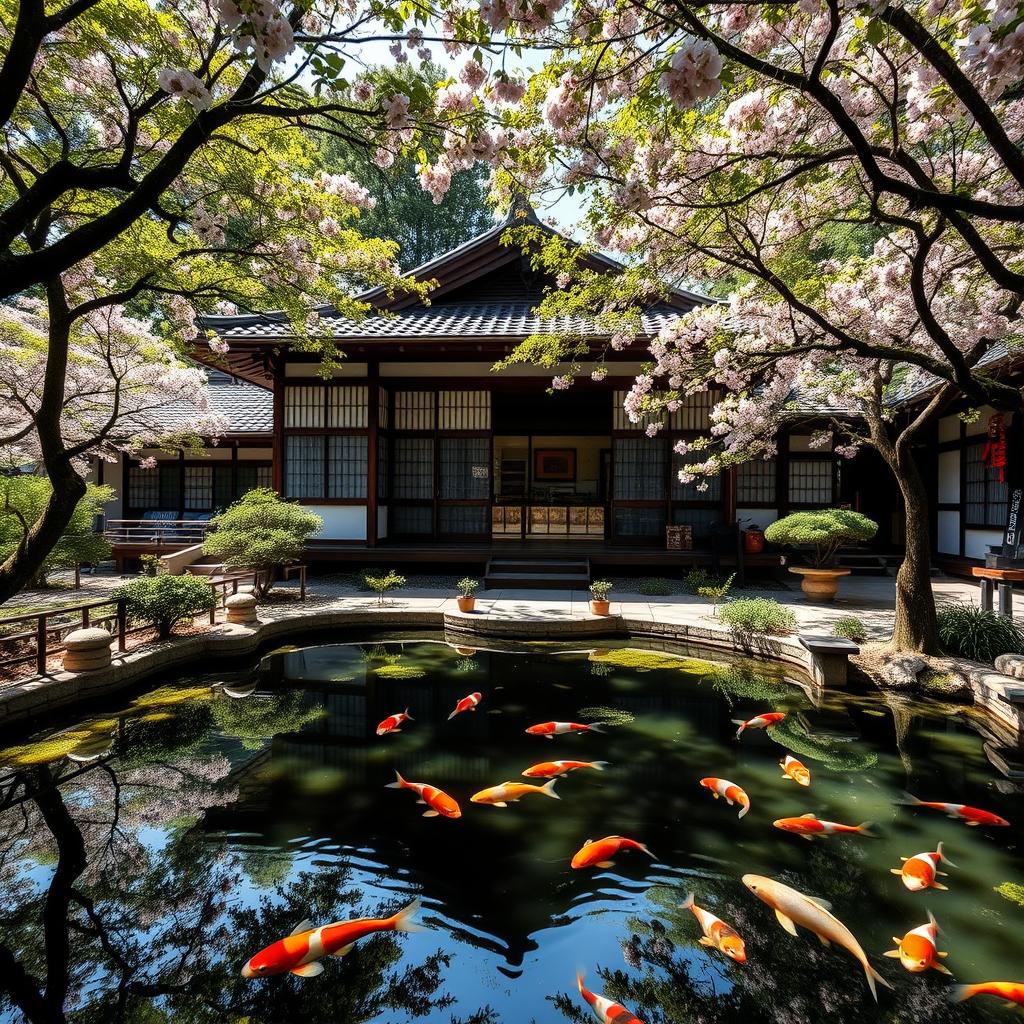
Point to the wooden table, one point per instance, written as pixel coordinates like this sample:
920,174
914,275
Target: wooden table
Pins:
1003,579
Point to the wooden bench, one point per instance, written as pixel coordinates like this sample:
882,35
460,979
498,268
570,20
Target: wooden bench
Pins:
1001,579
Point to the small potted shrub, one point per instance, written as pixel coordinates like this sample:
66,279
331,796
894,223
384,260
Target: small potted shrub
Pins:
467,587
825,531
599,591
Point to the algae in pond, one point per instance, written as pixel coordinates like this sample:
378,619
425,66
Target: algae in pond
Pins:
1012,892
847,758
608,716
399,672
650,661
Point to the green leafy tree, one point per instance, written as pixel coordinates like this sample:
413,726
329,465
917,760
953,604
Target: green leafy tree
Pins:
261,531
165,600
23,500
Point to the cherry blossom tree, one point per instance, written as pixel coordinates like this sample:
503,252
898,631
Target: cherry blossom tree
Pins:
737,143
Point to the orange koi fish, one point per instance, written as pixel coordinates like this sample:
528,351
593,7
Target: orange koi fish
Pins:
466,704
549,730
795,770
604,1009
758,722
920,871
437,801
732,793
598,853
301,951
918,949
392,722
552,769
810,826
510,792
1013,991
971,816
717,934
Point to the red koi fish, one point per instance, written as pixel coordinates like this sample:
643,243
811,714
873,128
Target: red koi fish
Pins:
1013,991
301,951
758,722
795,770
511,792
810,826
732,793
549,730
392,722
604,1009
552,769
466,704
598,853
717,934
437,801
920,871
971,816
918,949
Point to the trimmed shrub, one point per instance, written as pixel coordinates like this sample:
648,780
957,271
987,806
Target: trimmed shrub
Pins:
697,578
826,530
850,627
380,585
657,587
164,601
758,615
260,531
968,632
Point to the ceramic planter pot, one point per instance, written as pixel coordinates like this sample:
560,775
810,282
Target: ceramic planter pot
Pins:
599,607
819,584
753,541
466,604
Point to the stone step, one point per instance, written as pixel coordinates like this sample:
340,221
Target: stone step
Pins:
537,581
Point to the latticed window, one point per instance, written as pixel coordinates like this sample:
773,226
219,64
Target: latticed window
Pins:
414,467
414,410
347,408
223,488
639,522
383,463
463,519
755,482
701,520
810,481
304,465
639,469
143,487
464,410
694,413
304,405
252,476
984,496
413,519
691,491
346,467
199,488
464,467
170,486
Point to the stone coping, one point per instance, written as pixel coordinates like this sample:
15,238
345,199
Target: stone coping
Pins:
43,694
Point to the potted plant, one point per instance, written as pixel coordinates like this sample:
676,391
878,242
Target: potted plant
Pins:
466,588
824,531
599,591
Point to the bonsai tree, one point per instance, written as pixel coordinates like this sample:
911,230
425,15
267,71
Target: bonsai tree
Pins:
24,498
165,600
261,531
825,530
380,585
467,587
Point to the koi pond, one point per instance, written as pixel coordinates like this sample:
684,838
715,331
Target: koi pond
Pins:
154,852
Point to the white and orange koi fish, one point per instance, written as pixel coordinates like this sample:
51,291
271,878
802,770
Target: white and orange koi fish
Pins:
810,826
552,769
717,934
393,722
920,871
549,730
765,721
1012,991
795,770
604,1009
730,791
971,816
466,704
509,792
918,949
300,952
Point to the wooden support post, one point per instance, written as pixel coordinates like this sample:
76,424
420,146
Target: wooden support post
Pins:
41,644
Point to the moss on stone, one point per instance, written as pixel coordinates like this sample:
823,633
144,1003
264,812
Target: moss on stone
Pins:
170,695
651,661
86,740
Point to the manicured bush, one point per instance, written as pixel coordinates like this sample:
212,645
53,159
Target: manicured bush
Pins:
969,632
826,530
850,627
380,585
164,601
657,587
758,615
260,531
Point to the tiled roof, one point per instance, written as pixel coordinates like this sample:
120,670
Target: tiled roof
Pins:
249,409
456,320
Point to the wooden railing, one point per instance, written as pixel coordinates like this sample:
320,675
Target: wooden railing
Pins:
157,532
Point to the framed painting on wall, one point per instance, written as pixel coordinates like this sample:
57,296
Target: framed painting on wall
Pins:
554,464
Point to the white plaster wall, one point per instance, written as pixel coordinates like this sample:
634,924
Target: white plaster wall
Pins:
382,522
341,522
949,477
948,533
760,517
113,476
949,428
976,542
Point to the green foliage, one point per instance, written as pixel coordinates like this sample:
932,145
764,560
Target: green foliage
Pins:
1012,892
657,587
850,627
255,720
717,592
968,632
22,501
151,564
600,589
826,530
261,531
758,615
165,600
380,585
467,586
697,578
847,757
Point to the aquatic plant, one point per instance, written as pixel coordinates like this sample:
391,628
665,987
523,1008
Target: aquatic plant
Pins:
1011,891
844,757
467,665
758,615
638,660
969,632
399,672
851,627
163,601
610,716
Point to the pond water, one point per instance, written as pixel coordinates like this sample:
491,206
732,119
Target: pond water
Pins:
147,851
